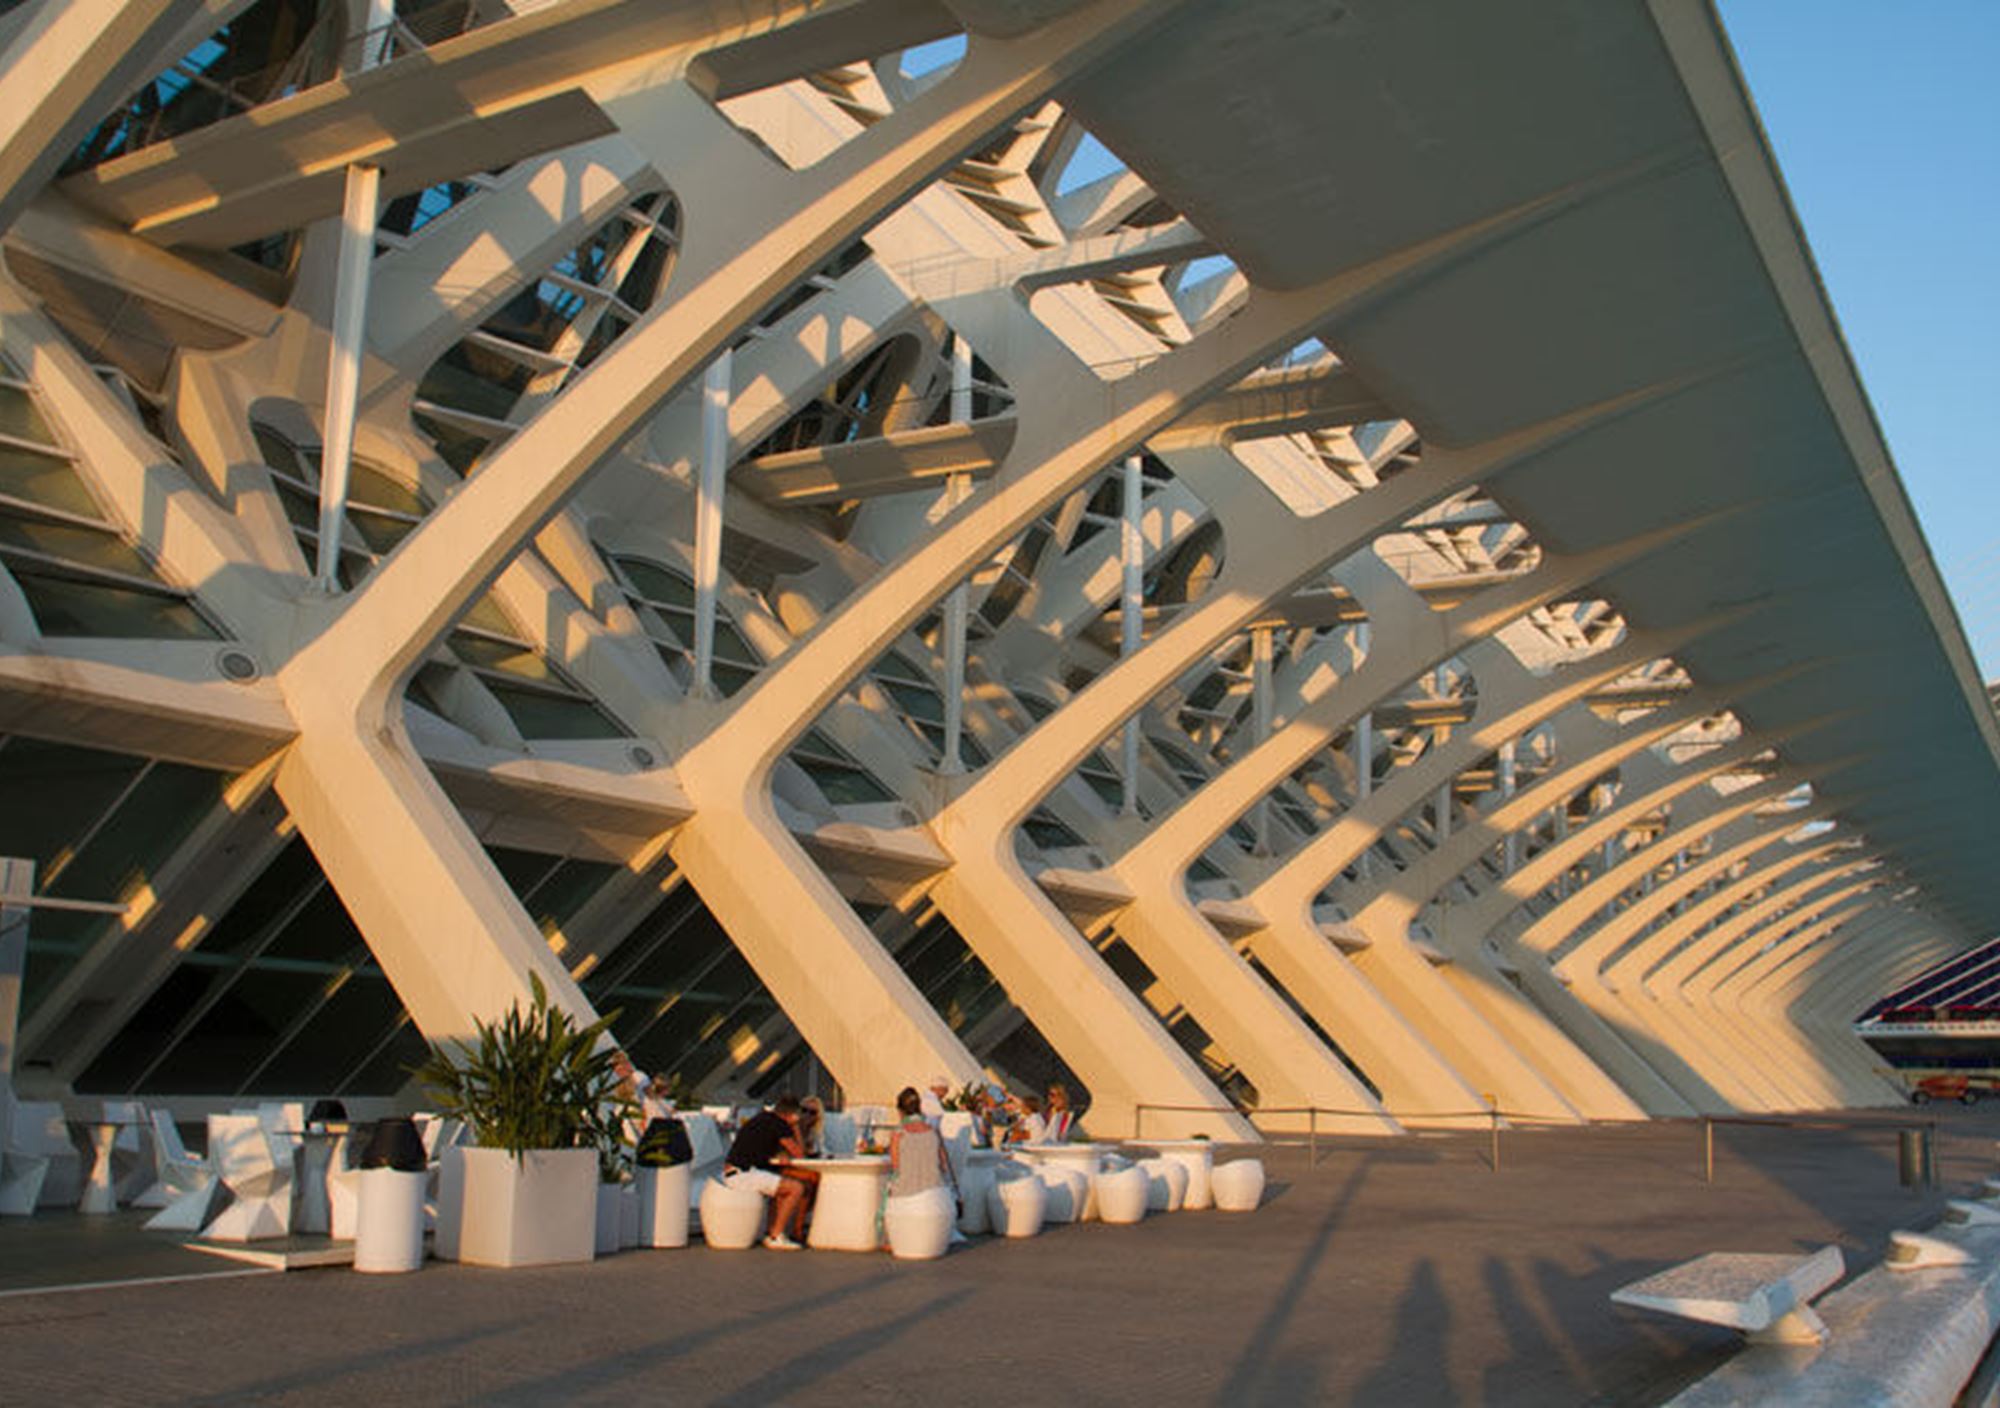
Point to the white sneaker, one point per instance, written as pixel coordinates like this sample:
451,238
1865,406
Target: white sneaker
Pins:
779,1242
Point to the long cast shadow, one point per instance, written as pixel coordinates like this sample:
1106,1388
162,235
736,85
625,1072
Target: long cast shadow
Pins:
1251,1369
1416,1371
573,1379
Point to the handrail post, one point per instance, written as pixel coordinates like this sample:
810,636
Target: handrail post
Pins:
1708,1149
1493,1116
1312,1136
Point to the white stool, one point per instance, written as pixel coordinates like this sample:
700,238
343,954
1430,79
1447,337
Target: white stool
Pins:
732,1219
919,1224
663,1206
610,1214
974,1184
1017,1202
1121,1195
1166,1184
389,1225
1238,1186
1069,1193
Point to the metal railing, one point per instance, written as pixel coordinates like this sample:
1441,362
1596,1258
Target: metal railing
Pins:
1492,1116
1916,1141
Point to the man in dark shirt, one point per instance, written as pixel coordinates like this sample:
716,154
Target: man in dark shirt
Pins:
758,1159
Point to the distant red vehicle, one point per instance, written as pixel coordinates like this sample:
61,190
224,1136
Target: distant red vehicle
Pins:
1961,1088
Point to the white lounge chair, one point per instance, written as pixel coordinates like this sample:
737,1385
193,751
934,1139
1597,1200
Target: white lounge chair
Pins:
133,1160
257,1171
175,1171
22,1169
40,1131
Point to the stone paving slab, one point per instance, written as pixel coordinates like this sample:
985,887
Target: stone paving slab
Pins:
1395,1272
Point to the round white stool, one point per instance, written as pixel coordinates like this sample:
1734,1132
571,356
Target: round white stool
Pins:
1069,1193
1121,1195
918,1225
389,1227
732,1219
1166,1185
1017,1203
1238,1186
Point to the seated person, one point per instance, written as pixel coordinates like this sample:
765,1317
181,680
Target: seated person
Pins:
1059,1115
1028,1127
917,1160
812,1121
759,1159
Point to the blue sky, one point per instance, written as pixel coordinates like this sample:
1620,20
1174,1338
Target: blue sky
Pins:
1886,122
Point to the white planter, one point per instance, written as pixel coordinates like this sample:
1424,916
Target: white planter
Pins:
663,1206
539,1209
609,1214
628,1215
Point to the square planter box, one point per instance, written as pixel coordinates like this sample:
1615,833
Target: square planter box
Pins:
496,1211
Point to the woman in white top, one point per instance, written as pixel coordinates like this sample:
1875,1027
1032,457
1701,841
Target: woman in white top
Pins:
1029,1127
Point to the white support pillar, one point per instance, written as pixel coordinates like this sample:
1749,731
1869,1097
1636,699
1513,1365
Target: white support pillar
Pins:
1509,781
1131,606
1364,770
957,602
343,362
709,489
17,886
1260,719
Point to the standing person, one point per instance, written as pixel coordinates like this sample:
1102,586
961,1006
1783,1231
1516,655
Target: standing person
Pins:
655,1101
758,1159
1059,1117
917,1161
932,1100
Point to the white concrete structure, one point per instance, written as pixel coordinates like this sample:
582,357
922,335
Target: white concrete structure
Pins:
882,537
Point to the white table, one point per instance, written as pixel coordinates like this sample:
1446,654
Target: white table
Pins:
100,1190
1086,1159
312,1207
847,1212
1197,1156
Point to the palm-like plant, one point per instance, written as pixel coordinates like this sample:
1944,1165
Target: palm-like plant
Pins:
533,1080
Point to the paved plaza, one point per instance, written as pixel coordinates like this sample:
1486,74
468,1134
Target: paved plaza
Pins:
1394,1272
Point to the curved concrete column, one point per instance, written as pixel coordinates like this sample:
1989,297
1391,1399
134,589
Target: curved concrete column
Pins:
1650,784
66,65
1825,1019
1590,746
1683,1003
1831,1076
1864,947
1171,935
447,931
1674,1000
1580,966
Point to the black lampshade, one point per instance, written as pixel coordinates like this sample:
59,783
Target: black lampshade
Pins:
326,1112
395,1144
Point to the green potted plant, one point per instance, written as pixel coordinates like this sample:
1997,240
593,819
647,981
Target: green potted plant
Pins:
540,1095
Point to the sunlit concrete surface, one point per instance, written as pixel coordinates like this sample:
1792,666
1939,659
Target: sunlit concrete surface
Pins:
1001,538
1404,1273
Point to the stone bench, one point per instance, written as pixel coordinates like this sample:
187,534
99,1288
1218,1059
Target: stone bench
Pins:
1765,1295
